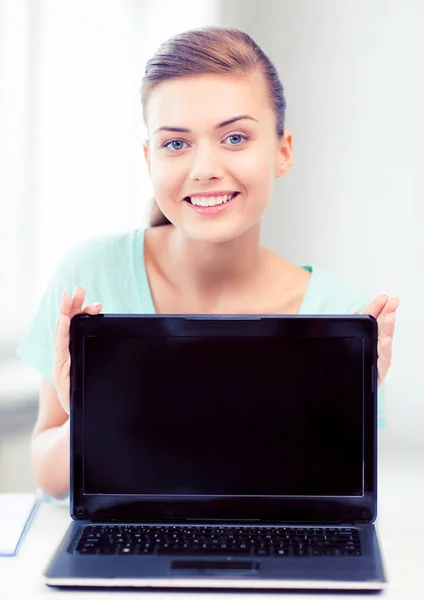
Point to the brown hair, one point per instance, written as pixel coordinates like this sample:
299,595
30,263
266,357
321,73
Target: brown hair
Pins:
204,51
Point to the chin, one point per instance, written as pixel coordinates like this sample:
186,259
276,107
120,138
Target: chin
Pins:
216,233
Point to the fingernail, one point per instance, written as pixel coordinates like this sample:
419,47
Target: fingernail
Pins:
95,305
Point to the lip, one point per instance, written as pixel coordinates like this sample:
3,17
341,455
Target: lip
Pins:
212,210
209,194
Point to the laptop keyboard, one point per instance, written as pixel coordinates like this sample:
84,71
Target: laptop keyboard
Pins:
192,539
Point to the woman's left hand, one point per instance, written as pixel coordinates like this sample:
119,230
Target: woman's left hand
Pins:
383,309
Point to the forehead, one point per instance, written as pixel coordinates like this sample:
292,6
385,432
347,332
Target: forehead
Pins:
203,101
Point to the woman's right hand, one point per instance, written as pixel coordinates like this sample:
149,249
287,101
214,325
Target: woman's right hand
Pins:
70,307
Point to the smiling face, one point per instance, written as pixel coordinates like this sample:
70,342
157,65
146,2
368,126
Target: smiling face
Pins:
210,137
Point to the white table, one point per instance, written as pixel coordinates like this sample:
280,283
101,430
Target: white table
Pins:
400,526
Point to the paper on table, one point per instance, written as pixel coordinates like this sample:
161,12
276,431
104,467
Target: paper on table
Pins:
16,512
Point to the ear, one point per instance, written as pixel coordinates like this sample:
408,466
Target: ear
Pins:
146,153
284,156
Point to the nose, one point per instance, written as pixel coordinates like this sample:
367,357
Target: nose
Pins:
205,165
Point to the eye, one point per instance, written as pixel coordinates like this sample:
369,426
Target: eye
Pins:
178,145
236,139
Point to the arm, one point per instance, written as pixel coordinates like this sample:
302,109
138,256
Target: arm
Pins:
50,443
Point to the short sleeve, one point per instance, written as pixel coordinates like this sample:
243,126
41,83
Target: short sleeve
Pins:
37,347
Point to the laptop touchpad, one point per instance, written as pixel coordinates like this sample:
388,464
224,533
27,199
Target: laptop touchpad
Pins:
214,567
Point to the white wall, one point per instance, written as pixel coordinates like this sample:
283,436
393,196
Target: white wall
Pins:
71,159
71,133
354,201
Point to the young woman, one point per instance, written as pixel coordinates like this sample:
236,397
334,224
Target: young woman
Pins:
214,109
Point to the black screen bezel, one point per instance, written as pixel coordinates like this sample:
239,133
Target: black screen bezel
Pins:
282,509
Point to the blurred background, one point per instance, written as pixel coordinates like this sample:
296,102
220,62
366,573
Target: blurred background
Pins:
71,162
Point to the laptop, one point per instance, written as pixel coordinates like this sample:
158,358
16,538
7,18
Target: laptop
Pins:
222,452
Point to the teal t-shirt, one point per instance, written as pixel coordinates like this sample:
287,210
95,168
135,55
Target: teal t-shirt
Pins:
111,269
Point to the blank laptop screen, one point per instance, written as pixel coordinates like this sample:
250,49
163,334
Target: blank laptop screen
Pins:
219,416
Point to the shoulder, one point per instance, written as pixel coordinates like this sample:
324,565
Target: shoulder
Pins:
106,265
95,248
330,294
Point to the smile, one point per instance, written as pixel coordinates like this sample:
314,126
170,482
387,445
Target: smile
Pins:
211,205
211,200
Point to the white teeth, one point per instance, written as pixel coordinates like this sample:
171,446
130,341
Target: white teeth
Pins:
211,200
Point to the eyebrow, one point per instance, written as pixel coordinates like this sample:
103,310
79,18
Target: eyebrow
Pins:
219,126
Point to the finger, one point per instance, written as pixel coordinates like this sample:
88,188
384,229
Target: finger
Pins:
389,308
92,309
392,305
64,309
61,354
384,358
66,304
385,343
77,300
375,307
387,328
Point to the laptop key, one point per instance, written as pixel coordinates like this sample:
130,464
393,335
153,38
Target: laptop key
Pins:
202,550
254,541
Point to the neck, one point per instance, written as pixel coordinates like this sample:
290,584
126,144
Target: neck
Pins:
216,271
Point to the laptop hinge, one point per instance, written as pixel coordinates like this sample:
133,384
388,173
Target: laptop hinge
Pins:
210,520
